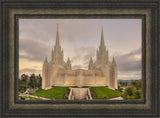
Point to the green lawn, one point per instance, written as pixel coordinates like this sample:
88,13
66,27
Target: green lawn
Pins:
54,93
105,92
58,92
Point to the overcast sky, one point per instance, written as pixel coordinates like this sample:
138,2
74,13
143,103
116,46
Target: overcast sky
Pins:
79,39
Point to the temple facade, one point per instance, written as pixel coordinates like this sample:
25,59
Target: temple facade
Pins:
57,72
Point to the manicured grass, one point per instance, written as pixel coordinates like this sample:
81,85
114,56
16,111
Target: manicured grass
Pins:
105,92
59,92
54,93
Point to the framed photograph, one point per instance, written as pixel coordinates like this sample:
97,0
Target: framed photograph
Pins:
81,77
79,58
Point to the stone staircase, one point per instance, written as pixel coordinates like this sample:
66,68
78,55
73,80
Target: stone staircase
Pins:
79,94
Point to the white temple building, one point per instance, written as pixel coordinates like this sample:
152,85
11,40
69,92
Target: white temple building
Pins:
57,72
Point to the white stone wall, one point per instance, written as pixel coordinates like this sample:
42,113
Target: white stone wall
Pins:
70,80
89,80
101,81
59,81
50,78
43,78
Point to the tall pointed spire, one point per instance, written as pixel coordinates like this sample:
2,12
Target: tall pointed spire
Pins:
102,56
113,61
68,64
91,65
102,38
57,56
91,60
68,60
57,36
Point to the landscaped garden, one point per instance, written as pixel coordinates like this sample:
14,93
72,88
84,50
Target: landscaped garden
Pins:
133,91
54,93
104,92
58,92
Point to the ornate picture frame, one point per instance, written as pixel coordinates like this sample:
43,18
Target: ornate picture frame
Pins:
12,10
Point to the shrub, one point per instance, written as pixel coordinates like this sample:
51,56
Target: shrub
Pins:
134,91
22,98
104,97
137,94
65,97
22,89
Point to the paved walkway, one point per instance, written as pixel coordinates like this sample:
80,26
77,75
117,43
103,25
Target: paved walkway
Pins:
28,95
116,98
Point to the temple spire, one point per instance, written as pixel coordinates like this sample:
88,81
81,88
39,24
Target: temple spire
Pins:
91,65
68,60
91,60
57,55
57,36
68,64
102,38
113,61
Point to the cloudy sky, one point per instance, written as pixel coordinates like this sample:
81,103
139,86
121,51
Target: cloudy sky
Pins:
80,38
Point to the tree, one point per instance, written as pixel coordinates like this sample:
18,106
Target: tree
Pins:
24,80
22,89
137,94
23,83
35,81
120,89
133,91
137,84
32,81
39,81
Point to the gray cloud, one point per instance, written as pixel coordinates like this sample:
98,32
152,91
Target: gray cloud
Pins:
86,63
75,58
90,52
129,75
41,29
130,66
34,50
83,53
126,62
76,66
